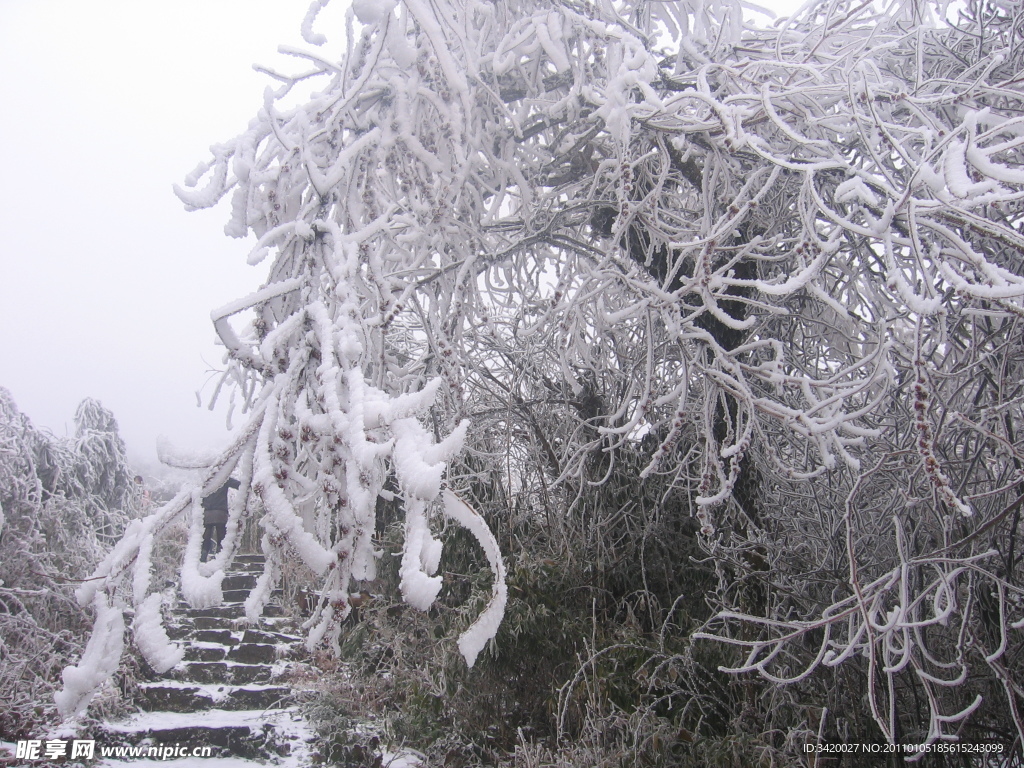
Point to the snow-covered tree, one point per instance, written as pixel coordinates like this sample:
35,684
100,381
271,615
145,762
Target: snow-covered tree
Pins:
784,259
101,474
62,502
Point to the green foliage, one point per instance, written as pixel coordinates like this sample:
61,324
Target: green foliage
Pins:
602,592
345,740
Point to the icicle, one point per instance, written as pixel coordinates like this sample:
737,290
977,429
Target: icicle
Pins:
151,637
481,631
99,661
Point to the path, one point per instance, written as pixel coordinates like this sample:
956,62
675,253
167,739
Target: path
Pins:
227,693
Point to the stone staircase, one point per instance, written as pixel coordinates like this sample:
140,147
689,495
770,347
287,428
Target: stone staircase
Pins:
227,693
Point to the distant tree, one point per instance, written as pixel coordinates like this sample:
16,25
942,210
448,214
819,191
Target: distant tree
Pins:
101,474
784,261
63,501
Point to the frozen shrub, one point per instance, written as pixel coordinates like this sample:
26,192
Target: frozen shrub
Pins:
62,500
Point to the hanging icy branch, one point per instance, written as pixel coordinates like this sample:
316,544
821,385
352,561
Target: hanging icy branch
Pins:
99,661
474,639
613,222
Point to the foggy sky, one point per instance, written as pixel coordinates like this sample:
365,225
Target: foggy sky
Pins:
106,283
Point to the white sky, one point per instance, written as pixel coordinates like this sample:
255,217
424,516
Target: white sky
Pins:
106,283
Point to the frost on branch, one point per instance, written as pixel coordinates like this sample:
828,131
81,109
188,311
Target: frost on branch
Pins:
63,500
99,661
312,461
485,627
784,261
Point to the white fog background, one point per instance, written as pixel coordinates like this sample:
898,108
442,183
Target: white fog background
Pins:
106,283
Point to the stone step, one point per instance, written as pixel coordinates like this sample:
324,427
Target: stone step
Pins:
205,653
244,581
215,623
249,734
217,612
235,610
222,672
255,653
240,595
250,558
259,697
179,631
221,636
233,605
169,696
223,623
266,636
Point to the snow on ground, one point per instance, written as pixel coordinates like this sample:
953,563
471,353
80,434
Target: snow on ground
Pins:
404,759
211,688
289,724
198,762
284,719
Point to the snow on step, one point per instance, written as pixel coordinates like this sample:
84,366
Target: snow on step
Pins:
247,734
187,696
229,672
239,581
264,636
222,695
255,653
194,762
154,722
210,637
